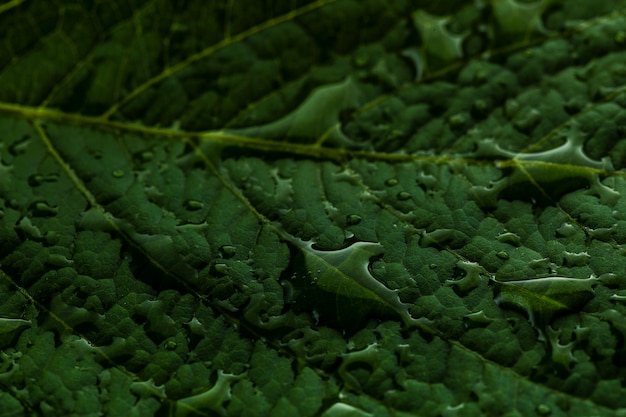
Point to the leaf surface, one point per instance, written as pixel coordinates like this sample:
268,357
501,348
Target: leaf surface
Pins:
312,208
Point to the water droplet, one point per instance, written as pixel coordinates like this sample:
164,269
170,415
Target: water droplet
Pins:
193,205
480,108
347,273
391,182
617,297
221,269
118,173
19,146
353,219
576,259
561,354
542,299
556,171
457,120
228,251
43,209
170,345
146,156
361,59
478,317
38,179
472,278
567,230
433,266
510,238
437,237
403,195
502,255
543,410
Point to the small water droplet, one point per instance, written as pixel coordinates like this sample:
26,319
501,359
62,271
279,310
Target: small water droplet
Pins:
193,205
544,410
170,345
433,266
20,146
38,179
43,209
617,297
480,108
391,182
360,60
502,255
510,238
567,230
221,269
403,195
118,173
353,219
146,156
228,251
457,120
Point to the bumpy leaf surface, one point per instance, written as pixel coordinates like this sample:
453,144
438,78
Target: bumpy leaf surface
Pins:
312,208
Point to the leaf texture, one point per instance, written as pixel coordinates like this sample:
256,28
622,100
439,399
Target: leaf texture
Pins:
312,208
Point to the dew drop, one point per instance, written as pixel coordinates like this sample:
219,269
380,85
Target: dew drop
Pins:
118,173
542,299
146,156
457,120
510,238
193,205
43,209
353,219
502,255
543,410
221,269
576,259
170,345
391,182
228,251
617,297
403,195
566,230
38,179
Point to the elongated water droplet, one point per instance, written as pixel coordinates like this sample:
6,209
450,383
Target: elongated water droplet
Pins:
118,173
193,205
38,179
353,219
403,195
391,182
544,410
542,299
502,255
228,251
43,209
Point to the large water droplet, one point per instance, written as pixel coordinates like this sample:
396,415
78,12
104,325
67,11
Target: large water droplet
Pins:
542,299
347,273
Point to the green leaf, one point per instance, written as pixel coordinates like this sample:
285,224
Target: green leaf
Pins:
312,208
